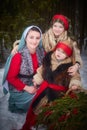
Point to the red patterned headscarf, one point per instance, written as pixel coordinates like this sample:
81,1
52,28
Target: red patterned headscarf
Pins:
63,19
64,47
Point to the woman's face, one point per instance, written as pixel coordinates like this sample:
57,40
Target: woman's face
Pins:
32,40
59,54
58,29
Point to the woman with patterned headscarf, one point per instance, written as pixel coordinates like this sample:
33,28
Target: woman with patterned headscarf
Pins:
21,67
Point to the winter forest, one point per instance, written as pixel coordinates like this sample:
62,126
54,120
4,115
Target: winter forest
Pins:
15,15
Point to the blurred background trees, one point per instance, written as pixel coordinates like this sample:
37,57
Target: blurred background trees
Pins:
15,15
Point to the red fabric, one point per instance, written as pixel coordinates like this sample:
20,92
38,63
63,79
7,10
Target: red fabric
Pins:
45,84
63,19
31,117
73,95
34,61
64,47
13,72
30,120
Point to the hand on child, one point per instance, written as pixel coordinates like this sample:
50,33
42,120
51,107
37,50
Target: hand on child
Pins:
73,69
14,50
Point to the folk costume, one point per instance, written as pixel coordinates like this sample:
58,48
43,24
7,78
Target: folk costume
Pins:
55,82
49,40
22,67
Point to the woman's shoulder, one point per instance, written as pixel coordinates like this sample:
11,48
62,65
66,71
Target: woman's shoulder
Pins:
16,59
17,55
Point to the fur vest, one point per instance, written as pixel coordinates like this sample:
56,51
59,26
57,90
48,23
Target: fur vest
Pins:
26,69
59,76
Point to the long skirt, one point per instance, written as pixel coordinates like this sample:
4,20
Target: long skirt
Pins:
19,102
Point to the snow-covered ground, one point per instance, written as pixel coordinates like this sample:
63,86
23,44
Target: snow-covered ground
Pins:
10,121
83,70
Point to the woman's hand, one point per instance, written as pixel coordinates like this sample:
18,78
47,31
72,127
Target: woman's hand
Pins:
73,69
30,89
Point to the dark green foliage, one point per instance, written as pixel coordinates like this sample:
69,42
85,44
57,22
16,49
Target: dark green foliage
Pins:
74,111
16,15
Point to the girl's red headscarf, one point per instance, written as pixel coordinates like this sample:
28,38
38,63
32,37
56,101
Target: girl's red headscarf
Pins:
63,19
64,47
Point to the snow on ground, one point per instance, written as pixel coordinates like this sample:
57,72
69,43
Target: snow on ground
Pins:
10,121
83,70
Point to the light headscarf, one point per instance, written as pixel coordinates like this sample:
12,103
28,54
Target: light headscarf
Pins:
21,45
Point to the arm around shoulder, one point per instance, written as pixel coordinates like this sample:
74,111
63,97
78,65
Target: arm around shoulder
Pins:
15,47
76,54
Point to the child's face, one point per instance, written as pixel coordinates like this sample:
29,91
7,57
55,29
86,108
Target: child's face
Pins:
33,39
60,54
58,29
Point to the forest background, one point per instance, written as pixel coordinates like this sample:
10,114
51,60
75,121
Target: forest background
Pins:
16,15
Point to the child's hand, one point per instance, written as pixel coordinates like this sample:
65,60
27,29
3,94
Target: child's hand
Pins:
74,87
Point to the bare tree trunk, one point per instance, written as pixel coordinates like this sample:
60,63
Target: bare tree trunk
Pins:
2,51
82,22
